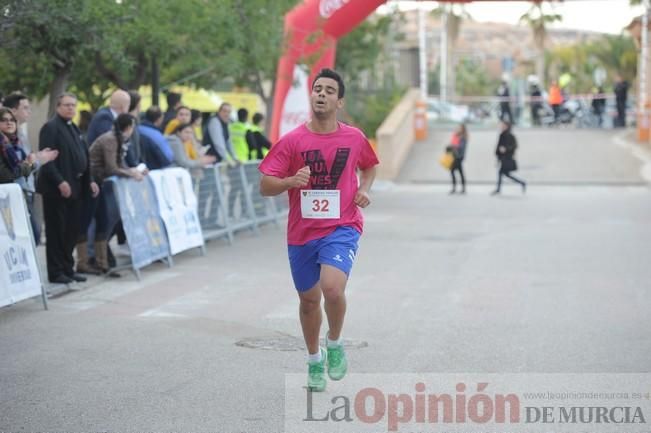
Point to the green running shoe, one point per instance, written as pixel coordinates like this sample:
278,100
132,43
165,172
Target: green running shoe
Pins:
337,363
316,373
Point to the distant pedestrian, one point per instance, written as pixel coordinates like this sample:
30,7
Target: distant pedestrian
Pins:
555,99
536,104
505,103
505,152
599,104
457,147
621,94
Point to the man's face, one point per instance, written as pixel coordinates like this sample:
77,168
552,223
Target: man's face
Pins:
67,107
23,111
324,98
184,115
225,113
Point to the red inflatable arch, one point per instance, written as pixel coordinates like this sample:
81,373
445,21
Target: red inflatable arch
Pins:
311,32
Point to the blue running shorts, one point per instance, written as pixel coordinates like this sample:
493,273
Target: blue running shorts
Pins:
338,249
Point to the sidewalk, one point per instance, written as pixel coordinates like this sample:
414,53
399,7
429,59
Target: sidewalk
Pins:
545,157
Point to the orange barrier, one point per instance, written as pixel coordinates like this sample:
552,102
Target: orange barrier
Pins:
644,123
420,121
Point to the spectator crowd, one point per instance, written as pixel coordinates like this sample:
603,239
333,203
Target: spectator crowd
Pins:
67,168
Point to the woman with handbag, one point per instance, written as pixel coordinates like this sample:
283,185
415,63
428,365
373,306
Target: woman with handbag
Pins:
505,152
457,148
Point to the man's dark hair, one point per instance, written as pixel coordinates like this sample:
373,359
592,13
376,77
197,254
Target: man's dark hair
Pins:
134,101
180,127
242,114
65,95
120,125
257,118
13,100
123,121
329,73
173,99
194,115
153,113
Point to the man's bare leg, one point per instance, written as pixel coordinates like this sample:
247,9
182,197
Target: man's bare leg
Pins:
333,282
310,315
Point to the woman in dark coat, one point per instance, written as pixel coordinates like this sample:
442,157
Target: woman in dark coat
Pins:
505,152
458,144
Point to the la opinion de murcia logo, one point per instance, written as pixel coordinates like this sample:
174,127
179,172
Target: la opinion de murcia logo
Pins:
329,7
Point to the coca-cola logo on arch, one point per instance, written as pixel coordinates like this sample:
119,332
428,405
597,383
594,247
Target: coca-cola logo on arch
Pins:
329,7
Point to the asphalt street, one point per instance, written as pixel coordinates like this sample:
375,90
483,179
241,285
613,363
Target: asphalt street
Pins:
554,281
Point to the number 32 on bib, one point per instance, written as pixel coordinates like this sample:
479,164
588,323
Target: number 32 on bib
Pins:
320,203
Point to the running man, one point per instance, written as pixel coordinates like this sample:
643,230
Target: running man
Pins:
317,163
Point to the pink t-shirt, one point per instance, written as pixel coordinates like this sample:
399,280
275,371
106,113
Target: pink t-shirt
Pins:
333,160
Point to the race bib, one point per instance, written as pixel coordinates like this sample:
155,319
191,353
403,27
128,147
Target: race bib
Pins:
320,203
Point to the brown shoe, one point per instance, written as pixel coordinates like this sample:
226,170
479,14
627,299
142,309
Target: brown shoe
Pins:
87,268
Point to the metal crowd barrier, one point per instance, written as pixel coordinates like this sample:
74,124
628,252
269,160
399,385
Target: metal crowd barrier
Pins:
211,207
229,200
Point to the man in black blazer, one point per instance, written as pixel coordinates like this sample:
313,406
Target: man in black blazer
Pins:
63,183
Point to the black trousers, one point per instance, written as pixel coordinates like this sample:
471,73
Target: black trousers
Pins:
620,121
62,221
510,176
456,166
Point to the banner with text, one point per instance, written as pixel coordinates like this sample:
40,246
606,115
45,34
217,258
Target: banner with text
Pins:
141,221
177,205
19,275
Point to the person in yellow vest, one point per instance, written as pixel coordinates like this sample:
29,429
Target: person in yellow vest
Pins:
259,145
238,132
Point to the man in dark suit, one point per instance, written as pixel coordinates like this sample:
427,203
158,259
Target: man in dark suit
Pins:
63,183
103,120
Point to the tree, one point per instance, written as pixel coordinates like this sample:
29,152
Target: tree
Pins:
245,56
359,50
54,35
617,54
473,78
358,55
454,16
538,21
94,46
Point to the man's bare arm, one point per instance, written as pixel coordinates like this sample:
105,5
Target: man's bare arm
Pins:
271,185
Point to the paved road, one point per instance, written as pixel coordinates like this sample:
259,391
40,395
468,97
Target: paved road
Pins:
554,281
545,157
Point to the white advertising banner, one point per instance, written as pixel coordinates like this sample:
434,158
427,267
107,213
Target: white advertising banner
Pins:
177,205
19,275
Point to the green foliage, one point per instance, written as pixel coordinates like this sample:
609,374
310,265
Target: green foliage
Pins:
359,50
93,46
472,78
367,110
615,53
371,91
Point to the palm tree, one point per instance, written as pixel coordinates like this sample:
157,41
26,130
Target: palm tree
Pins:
456,13
538,21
